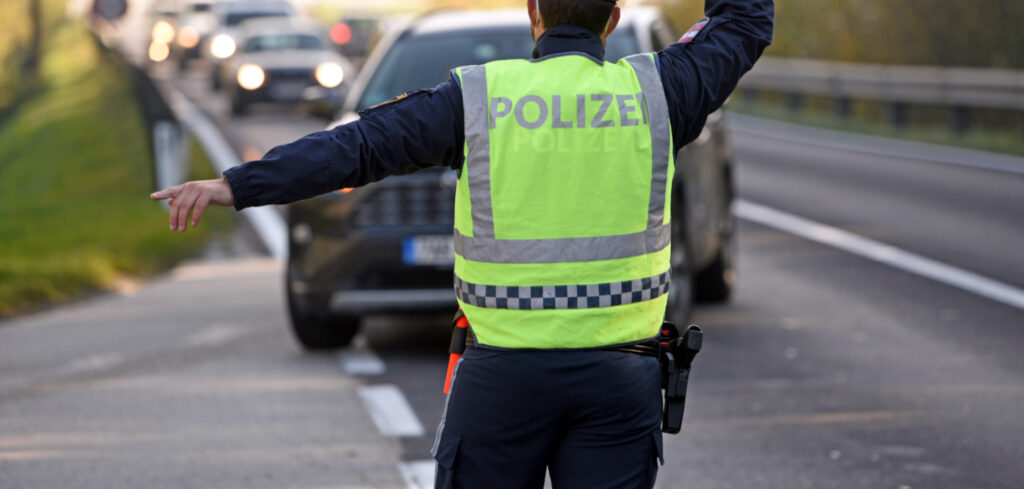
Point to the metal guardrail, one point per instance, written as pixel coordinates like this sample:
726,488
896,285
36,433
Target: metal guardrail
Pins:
960,89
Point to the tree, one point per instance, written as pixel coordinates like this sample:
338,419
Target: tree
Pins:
35,45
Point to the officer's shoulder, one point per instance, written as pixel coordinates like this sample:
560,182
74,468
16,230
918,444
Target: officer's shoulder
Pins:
389,102
392,103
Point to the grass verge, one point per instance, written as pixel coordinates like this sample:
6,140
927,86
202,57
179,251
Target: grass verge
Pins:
75,174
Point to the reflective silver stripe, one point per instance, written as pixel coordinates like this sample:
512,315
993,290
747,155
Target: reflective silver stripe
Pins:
580,296
661,132
444,413
478,142
562,250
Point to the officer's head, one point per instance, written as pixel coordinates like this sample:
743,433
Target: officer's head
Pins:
599,16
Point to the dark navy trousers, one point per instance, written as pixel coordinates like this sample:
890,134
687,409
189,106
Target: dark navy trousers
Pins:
591,418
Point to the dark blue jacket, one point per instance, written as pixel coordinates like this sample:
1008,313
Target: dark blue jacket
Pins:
426,128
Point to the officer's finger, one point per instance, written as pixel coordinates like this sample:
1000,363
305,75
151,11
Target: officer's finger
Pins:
167,193
201,204
172,217
176,208
188,200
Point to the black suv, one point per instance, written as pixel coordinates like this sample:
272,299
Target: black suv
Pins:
387,247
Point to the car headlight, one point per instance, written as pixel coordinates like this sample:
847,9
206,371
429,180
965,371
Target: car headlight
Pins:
329,74
163,32
158,51
188,37
222,46
251,77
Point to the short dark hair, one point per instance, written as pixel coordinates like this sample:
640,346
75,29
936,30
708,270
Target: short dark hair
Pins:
591,14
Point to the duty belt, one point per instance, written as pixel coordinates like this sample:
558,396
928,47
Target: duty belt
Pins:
674,352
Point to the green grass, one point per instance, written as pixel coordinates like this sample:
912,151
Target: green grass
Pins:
929,126
75,174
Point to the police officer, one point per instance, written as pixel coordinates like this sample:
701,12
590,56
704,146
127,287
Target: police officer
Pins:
561,231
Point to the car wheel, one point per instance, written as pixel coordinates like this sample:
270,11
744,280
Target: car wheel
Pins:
314,326
680,295
715,283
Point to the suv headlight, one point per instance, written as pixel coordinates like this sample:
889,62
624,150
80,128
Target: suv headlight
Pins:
251,77
162,32
329,74
222,46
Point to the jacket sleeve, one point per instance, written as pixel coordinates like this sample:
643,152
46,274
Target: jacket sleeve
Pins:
702,69
421,129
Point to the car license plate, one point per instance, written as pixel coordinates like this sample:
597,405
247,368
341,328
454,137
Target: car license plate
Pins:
428,250
287,90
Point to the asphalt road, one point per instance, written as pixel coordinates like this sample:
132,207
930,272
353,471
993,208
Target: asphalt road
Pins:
827,370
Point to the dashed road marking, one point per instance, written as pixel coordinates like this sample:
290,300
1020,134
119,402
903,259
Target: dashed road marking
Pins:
93,363
361,363
215,335
881,252
418,474
390,410
360,360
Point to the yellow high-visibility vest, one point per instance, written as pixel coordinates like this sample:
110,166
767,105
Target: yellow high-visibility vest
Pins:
562,232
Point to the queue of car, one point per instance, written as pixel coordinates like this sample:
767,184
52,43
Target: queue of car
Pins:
255,51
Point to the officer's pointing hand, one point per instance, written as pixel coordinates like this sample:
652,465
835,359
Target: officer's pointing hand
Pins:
193,197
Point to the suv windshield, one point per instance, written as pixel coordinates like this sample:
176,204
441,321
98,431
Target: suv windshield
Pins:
424,61
282,42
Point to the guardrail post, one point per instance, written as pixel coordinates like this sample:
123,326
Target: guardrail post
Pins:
749,95
843,107
898,112
794,101
961,119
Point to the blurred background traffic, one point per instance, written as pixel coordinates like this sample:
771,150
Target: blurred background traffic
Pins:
848,230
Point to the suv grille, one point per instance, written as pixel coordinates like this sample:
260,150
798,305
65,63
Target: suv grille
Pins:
408,203
282,74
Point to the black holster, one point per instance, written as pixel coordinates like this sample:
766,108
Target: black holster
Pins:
676,353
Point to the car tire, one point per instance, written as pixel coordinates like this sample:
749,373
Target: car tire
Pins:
680,295
315,328
715,283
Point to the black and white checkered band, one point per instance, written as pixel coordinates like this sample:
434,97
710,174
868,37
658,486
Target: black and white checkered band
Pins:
563,296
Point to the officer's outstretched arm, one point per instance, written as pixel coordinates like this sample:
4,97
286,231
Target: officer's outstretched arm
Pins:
420,129
192,198
702,69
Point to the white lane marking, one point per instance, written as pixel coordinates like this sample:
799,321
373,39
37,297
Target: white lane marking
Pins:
361,362
418,474
390,411
215,335
93,363
881,252
875,145
269,225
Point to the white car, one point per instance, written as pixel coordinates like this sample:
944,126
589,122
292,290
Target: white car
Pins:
284,60
229,15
